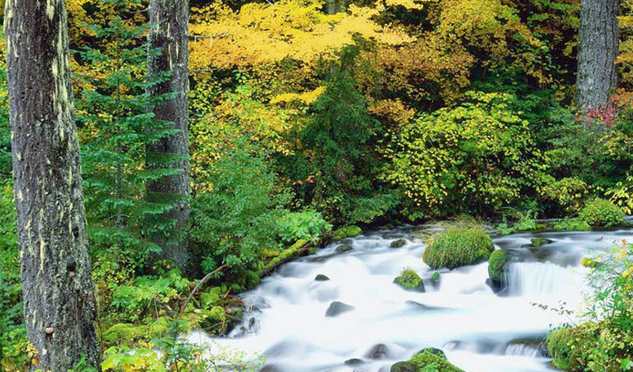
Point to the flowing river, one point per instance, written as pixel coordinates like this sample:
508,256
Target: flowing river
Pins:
478,329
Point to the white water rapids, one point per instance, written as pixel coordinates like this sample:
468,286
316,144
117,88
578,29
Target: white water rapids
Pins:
480,331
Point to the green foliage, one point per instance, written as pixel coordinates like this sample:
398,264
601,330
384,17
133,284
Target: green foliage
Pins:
525,221
601,213
462,243
570,346
336,154
240,216
116,128
308,225
568,194
409,279
496,265
605,341
476,157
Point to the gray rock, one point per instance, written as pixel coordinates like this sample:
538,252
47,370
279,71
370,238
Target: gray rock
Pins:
337,308
344,248
354,362
321,278
378,352
398,243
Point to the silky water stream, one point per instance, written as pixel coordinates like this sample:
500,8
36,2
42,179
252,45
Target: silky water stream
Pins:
478,329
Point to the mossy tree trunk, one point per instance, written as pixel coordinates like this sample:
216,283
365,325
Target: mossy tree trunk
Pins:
597,53
58,292
169,35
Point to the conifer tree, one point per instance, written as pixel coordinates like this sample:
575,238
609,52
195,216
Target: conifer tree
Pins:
117,129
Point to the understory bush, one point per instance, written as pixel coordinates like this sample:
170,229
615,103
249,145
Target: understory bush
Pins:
308,225
602,213
462,243
604,342
475,158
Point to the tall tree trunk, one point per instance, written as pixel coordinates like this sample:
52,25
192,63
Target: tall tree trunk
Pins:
598,49
169,35
58,292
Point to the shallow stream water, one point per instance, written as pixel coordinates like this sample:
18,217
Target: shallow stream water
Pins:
478,329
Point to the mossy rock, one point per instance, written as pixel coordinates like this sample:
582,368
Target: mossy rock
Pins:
435,351
569,346
571,225
497,266
458,246
435,277
347,232
404,367
398,243
321,278
602,213
428,360
539,242
344,248
410,280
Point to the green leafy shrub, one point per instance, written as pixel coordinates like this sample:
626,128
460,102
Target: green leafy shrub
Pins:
462,243
567,193
308,225
602,213
476,157
234,222
409,279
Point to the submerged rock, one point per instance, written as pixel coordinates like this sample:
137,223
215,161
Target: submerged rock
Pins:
398,243
269,369
344,248
354,362
378,352
337,308
498,266
321,278
539,242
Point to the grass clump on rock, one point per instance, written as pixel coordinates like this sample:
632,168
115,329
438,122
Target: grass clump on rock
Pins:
409,279
463,242
497,265
428,360
347,232
602,213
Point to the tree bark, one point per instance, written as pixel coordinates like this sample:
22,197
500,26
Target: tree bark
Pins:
169,34
58,292
598,48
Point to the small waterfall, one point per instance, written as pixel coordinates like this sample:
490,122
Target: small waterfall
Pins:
538,278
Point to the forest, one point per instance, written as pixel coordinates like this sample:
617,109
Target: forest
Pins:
316,185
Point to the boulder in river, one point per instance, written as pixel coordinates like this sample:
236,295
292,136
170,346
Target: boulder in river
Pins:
321,278
347,232
344,248
410,280
398,243
433,350
539,242
354,362
378,352
461,244
429,358
337,308
404,367
498,268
